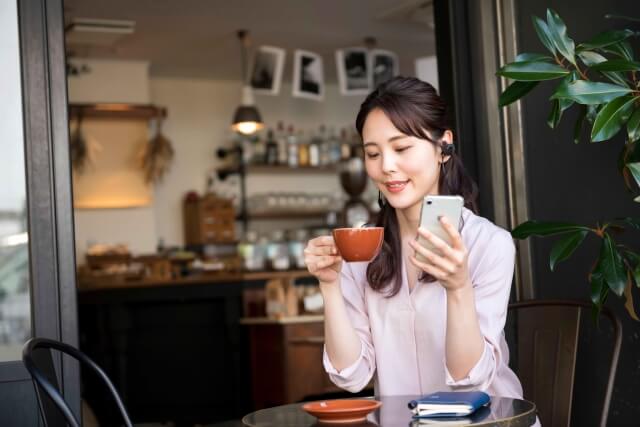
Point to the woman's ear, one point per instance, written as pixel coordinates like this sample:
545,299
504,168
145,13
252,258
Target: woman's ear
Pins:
446,140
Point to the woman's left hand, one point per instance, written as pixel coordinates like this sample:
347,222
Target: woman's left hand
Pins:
450,266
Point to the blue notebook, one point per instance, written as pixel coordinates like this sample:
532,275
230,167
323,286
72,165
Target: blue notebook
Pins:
449,403
481,414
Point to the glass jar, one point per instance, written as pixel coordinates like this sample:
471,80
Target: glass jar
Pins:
252,251
297,241
278,252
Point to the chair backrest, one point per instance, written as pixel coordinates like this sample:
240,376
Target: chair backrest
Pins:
36,356
547,340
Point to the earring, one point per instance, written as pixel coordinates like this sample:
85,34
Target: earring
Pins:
381,200
448,149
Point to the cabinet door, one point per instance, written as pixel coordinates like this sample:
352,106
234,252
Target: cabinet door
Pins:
305,373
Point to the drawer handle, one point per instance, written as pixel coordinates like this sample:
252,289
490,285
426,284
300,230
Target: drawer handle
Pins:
307,340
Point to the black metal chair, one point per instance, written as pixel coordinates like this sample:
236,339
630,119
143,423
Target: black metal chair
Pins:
37,358
546,344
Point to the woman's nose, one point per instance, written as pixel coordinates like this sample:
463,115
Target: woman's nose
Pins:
388,163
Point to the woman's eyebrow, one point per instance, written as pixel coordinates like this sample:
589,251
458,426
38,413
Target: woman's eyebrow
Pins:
397,137
393,138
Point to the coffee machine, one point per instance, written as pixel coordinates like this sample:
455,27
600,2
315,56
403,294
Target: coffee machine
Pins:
353,178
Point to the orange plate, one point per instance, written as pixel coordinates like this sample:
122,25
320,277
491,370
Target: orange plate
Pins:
342,410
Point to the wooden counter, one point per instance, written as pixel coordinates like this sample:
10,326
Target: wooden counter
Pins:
175,349
305,318
95,284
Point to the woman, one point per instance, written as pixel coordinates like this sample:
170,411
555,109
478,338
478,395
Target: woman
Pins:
420,327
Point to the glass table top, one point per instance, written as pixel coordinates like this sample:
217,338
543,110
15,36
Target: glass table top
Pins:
394,412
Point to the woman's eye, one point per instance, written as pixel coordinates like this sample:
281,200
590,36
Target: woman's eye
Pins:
401,149
372,155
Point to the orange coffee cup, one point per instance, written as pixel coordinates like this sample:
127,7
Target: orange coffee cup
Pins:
358,244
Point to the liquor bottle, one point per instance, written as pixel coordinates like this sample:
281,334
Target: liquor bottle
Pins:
315,145
292,148
303,150
323,147
334,147
281,138
345,146
271,157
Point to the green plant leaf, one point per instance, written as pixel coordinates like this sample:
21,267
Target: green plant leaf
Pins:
596,279
590,58
634,168
515,91
538,228
564,247
613,269
558,33
606,38
635,223
587,92
635,265
629,154
554,115
560,105
628,298
622,49
527,57
633,126
592,112
611,118
543,34
577,128
532,71
616,78
624,17
617,65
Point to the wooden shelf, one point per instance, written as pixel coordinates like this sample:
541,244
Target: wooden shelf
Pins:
287,215
266,169
278,170
118,111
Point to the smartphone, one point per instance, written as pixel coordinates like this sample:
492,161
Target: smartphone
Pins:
433,207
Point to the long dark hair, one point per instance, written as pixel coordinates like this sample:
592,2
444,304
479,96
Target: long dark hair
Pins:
414,108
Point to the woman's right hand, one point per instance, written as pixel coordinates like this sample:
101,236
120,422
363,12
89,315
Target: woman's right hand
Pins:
322,259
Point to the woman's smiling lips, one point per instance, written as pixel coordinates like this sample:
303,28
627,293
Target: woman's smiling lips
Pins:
396,186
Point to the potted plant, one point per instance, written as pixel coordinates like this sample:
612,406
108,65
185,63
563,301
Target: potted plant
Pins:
601,78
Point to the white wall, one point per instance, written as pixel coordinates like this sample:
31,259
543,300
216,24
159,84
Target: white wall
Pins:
110,81
113,81
198,122
199,119
427,70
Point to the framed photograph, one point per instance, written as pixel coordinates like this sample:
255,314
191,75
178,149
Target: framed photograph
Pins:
308,75
384,65
266,73
353,68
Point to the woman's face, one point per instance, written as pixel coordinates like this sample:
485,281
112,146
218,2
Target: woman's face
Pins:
404,168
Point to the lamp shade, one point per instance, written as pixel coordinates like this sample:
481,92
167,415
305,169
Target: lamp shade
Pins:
246,119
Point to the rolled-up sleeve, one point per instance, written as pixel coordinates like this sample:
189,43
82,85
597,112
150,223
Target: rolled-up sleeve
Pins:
491,279
355,377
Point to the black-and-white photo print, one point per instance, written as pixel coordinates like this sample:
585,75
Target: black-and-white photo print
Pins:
353,71
267,70
384,65
308,75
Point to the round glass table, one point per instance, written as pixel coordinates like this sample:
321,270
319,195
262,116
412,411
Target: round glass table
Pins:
394,412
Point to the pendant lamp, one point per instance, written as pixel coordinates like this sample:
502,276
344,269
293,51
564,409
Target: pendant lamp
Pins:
246,119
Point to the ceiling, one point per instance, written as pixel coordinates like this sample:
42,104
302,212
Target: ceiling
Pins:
197,38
